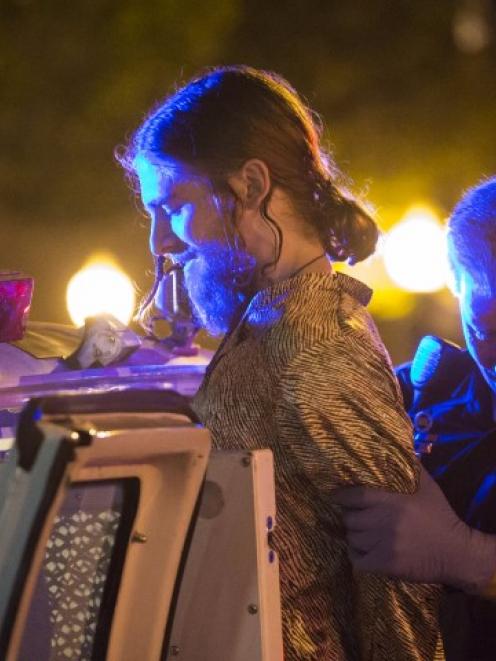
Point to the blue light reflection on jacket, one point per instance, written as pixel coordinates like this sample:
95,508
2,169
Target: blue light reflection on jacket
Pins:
453,416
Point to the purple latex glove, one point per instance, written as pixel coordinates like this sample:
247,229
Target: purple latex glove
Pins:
416,537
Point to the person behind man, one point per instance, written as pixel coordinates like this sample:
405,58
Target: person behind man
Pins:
447,533
241,193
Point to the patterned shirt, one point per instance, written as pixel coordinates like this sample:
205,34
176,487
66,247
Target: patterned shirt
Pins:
305,374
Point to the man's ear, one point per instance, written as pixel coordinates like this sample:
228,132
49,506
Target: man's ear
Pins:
251,183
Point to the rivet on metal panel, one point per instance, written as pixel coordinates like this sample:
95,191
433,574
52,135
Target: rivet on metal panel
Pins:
253,609
272,556
174,650
246,461
139,537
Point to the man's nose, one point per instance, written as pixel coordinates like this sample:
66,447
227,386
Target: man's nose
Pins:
163,241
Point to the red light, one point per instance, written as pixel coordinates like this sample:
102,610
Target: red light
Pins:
16,291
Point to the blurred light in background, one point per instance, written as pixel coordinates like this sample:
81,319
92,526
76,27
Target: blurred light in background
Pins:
472,31
98,287
414,252
388,301
391,303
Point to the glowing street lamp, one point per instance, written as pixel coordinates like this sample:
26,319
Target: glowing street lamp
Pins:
415,252
97,288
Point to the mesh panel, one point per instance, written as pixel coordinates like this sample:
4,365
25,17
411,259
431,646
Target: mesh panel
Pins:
65,609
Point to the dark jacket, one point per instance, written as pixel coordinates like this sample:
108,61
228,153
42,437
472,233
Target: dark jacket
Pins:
451,407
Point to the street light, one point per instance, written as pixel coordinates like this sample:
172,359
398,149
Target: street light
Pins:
100,287
415,252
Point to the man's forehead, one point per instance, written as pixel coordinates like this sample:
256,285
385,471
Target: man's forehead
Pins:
156,180
478,282
478,297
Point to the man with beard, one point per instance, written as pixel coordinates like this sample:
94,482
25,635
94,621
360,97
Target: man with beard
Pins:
240,193
446,533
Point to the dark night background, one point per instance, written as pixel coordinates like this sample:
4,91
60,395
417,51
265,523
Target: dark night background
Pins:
407,90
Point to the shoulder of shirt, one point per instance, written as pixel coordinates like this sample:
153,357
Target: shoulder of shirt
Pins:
312,312
320,307
340,356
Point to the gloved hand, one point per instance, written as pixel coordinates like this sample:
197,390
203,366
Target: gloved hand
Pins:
415,537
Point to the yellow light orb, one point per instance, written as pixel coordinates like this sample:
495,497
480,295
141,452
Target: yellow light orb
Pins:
415,252
100,287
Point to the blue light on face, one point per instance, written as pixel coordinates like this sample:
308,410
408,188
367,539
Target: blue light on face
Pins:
150,179
478,314
159,184
179,220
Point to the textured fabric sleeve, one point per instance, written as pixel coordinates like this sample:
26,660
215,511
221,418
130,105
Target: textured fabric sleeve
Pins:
342,420
340,400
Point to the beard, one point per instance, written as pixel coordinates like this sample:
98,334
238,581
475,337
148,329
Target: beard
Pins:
219,281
